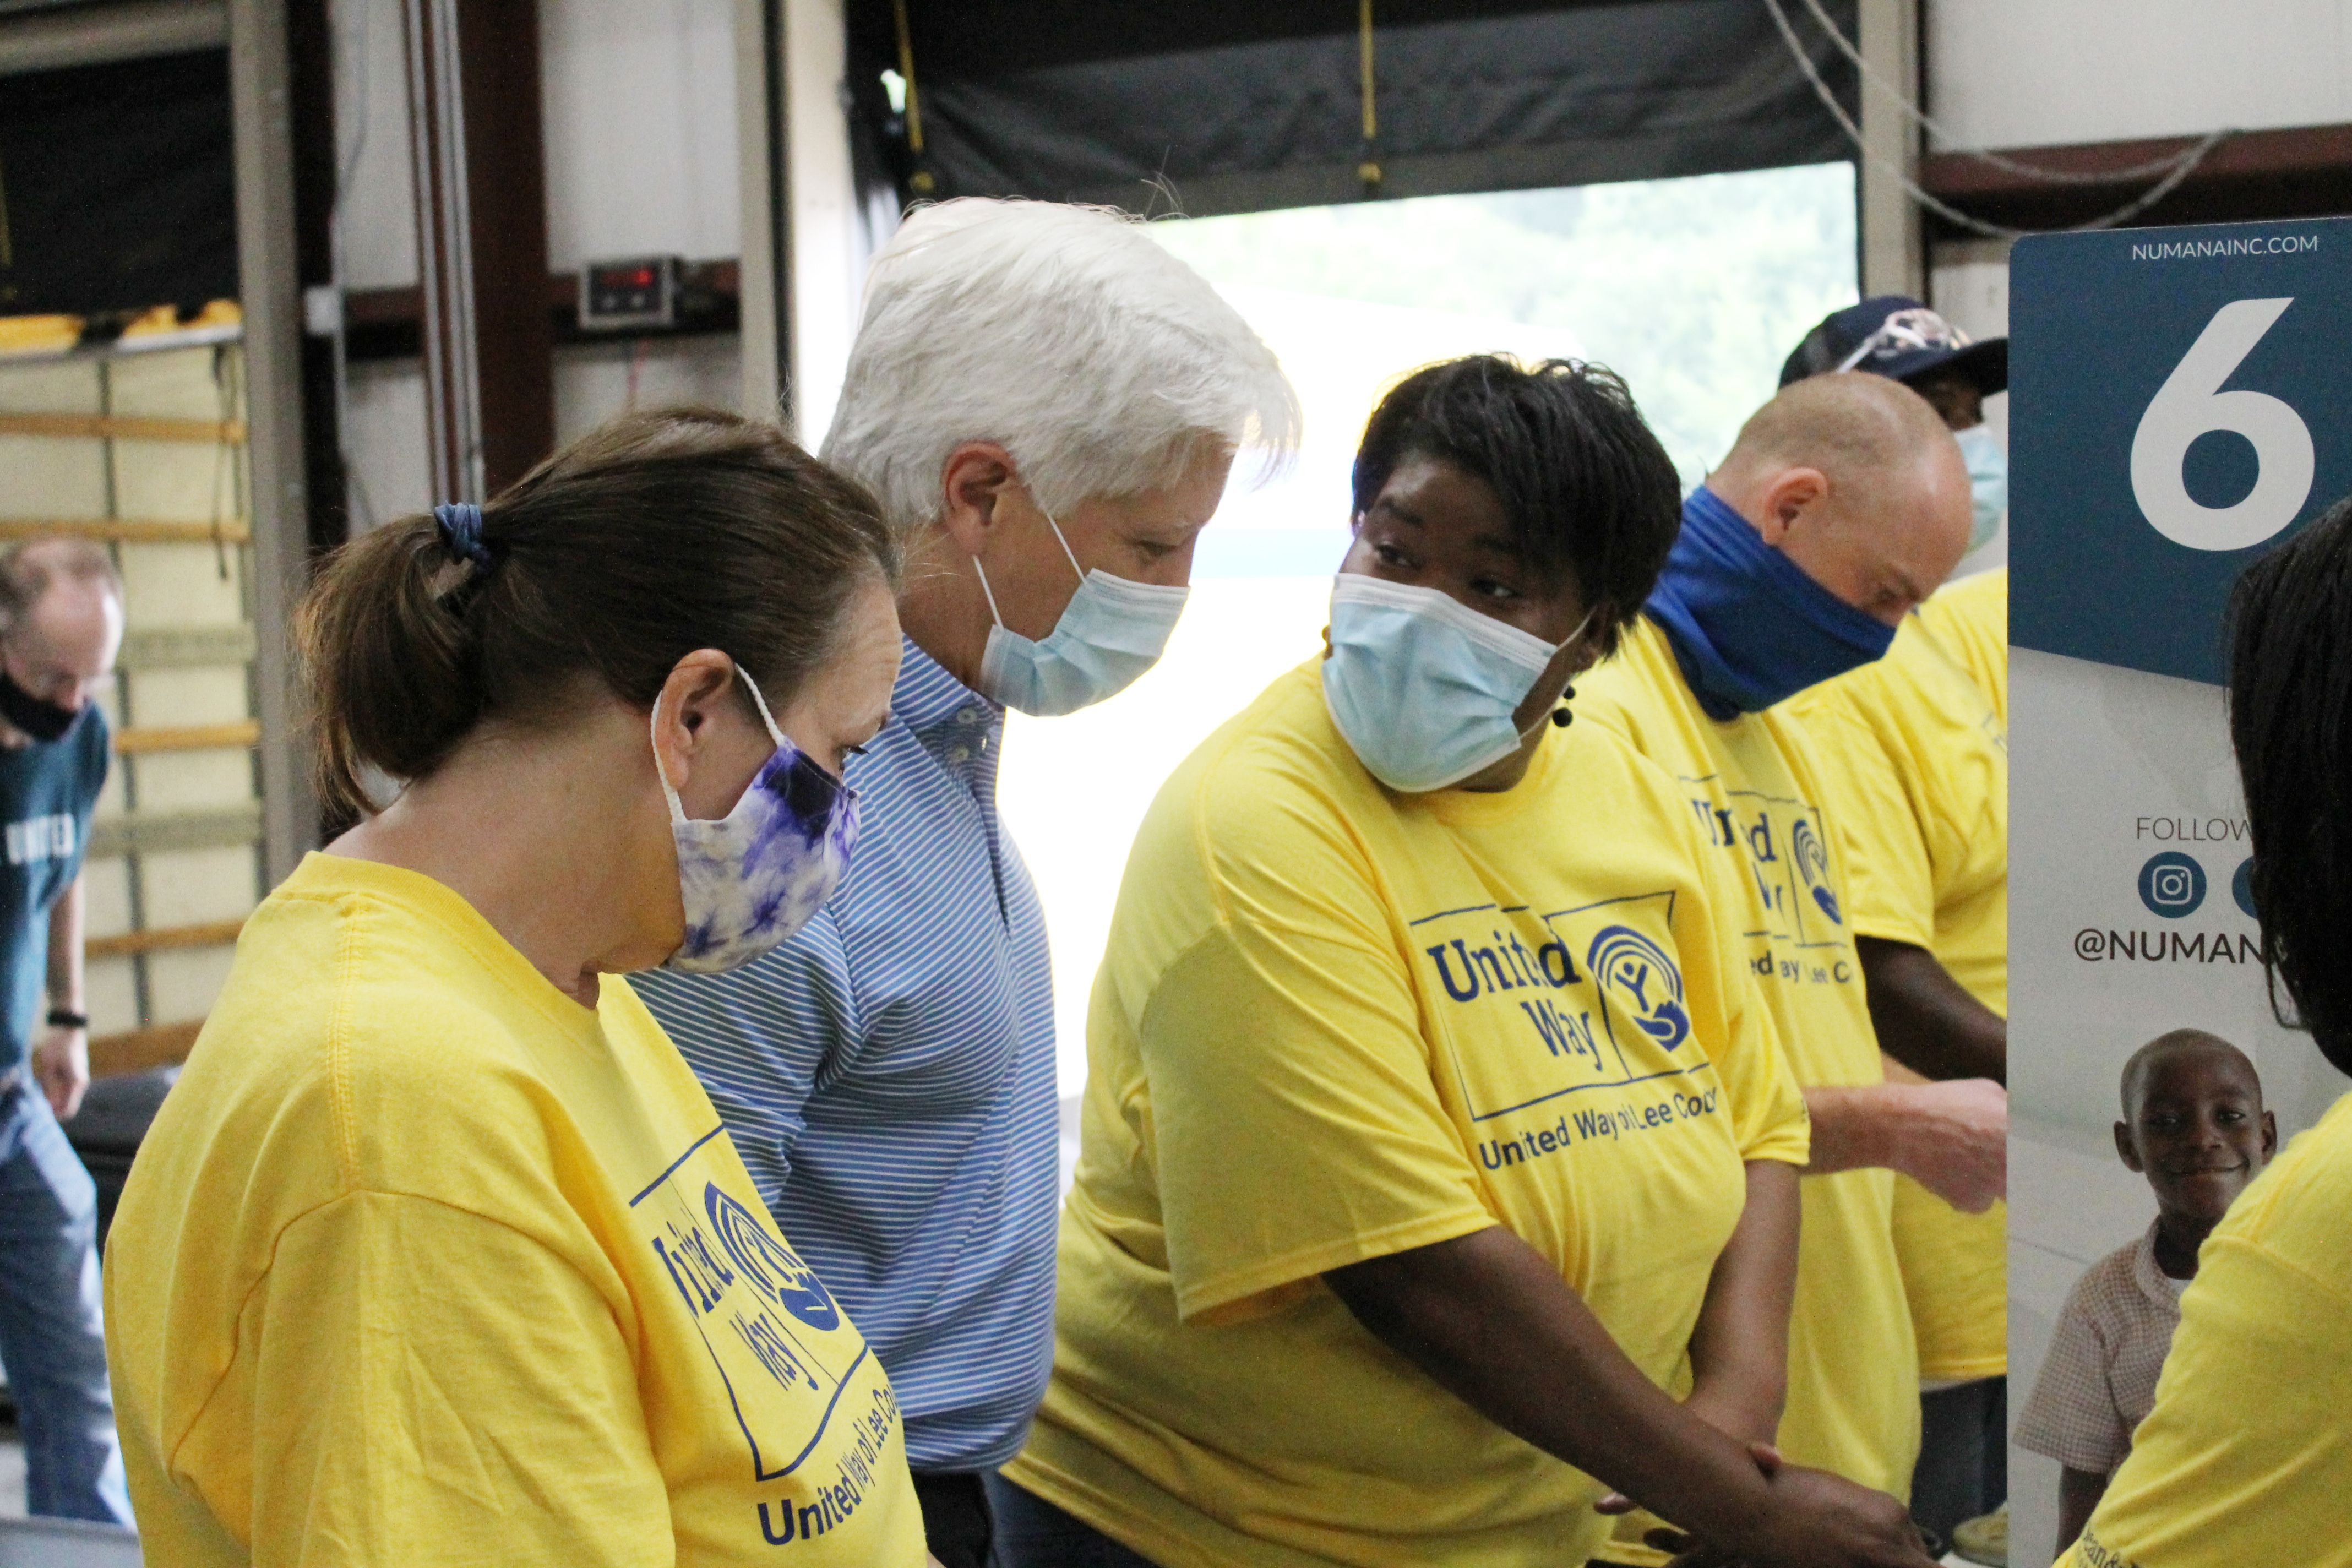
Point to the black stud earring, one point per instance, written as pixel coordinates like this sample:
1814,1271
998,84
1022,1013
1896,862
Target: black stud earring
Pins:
1562,718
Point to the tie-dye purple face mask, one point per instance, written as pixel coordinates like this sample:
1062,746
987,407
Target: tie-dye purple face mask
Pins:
752,877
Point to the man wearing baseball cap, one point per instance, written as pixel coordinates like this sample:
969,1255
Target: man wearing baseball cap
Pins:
1897,337
1914,754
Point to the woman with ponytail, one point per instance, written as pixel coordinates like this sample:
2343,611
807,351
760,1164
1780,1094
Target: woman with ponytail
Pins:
436,1253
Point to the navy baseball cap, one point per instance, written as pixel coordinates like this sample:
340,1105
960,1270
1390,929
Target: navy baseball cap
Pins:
1895,336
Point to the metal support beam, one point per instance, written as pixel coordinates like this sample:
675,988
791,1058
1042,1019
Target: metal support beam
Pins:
261,109
1892,258
825,275
765,193
481,241
311,81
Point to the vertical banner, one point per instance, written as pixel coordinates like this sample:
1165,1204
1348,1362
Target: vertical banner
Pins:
2177,404
2176,408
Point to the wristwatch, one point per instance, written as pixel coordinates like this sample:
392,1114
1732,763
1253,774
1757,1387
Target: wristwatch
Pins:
61,1018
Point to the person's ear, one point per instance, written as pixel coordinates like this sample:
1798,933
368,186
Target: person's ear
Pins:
2126,1149
2270,1136
683,712
1791,493
973,484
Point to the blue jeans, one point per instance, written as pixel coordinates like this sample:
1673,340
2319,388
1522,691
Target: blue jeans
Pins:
52,1341
1032,1533
1963,1468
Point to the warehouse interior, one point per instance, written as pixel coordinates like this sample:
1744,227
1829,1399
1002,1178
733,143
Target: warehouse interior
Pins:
274,271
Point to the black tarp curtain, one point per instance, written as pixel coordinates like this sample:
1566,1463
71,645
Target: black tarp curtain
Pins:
118,187
1217,106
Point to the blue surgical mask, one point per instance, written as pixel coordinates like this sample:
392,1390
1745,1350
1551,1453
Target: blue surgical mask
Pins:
753,877
1423,687
1110,632
1988,463
1748,626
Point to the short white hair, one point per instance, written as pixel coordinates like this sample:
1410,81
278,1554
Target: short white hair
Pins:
1063,333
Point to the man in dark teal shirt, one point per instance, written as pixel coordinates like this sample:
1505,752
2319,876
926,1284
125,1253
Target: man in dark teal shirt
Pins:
60,626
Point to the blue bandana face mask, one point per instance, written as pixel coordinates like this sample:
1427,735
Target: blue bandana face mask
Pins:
752,877
1987,481
1748,626
1110,632
1421,687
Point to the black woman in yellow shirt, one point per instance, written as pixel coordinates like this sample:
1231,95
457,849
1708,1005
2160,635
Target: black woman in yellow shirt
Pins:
1438,1165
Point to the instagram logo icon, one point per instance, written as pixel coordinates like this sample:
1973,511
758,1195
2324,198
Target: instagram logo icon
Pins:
2172,885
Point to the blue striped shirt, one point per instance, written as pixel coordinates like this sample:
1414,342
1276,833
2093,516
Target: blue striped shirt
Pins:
888,1077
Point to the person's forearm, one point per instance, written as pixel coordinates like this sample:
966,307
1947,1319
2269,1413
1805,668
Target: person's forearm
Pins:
1740,1348
2079,1492
1856,1128
65,976
1488,1318
1924,1019
1951,1138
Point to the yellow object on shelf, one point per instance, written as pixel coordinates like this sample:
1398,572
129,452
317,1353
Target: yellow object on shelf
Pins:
38,334
165,319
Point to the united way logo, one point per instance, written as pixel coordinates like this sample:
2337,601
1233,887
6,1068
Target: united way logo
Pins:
775,1269
1813,865
1642,980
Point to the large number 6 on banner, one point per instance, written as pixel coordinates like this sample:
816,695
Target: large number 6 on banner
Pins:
2190,402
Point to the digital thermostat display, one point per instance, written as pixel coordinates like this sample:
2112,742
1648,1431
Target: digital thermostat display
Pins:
638,292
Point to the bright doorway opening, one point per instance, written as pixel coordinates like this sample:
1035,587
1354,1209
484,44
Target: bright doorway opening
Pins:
1693,289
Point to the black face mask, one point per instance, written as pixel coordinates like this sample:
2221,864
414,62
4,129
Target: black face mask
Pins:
37,717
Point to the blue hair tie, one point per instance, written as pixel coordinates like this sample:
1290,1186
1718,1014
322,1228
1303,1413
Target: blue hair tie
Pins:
461,531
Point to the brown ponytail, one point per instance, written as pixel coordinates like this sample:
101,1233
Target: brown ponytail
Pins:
648,538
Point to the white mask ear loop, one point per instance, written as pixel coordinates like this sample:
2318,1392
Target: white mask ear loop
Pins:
1062,539
677,808
1058,539
1545,719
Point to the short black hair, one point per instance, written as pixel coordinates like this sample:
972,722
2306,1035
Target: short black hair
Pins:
1590,495
2291,726
2177,1043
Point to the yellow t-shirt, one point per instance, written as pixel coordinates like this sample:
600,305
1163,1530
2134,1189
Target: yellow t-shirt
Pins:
1753,789
1915,760
1970,618
2247,1457
424,1262
1334,1024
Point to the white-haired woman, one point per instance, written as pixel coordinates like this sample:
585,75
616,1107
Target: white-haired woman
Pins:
1046,404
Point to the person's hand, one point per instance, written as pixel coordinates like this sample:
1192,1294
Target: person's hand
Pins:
1954,1142
62,1067
1817,1520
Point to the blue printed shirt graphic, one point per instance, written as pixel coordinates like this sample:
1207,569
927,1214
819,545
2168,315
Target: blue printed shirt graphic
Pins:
47,790
888,1076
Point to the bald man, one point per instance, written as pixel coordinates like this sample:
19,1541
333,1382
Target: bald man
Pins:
60,626
1917,747
1844,504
